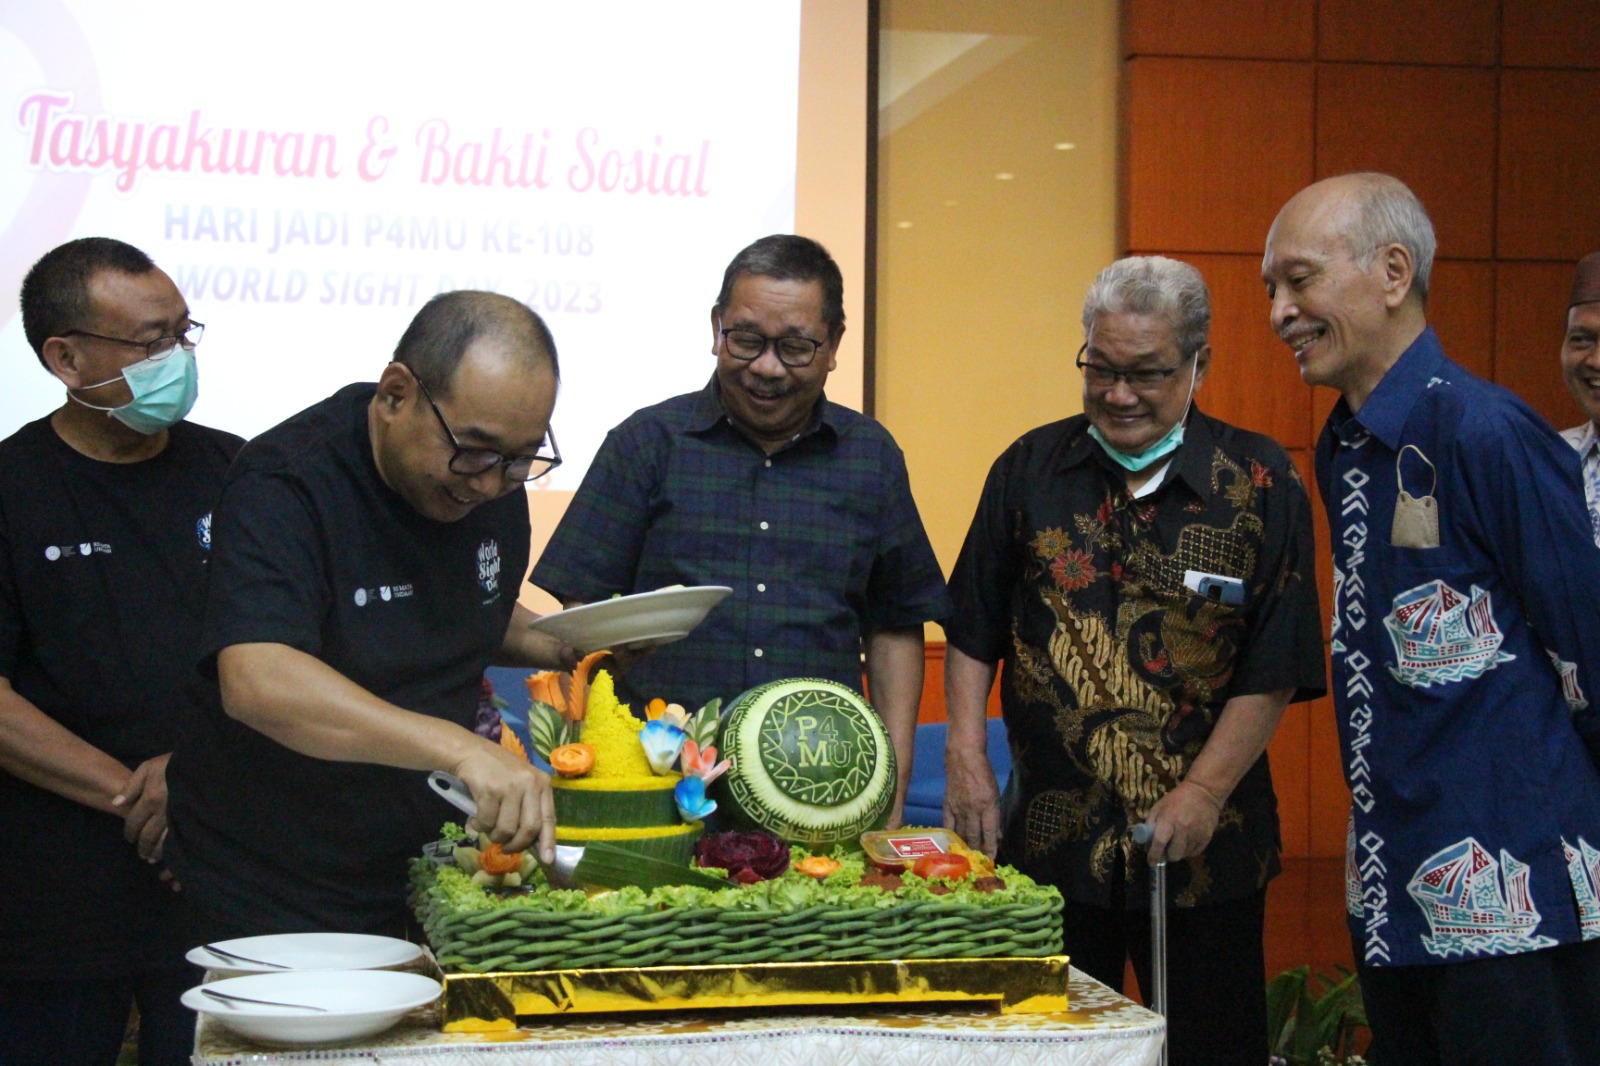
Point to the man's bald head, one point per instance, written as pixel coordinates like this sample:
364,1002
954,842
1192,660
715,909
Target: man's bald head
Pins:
1371,212
451,322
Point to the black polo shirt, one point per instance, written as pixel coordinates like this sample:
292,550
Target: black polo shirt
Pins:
314,551
102,576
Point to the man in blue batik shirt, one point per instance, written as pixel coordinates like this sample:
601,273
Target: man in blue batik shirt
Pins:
1465,654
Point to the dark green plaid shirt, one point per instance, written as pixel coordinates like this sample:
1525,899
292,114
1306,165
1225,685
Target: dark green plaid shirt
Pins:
820,541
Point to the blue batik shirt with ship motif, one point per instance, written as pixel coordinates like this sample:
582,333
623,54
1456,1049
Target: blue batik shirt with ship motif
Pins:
1466,669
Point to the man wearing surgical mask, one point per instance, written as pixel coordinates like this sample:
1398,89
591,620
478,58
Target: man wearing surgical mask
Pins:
1145,573
105,520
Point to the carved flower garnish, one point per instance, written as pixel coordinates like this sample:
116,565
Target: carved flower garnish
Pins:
693,805
702,762
661,742
659,710
748,857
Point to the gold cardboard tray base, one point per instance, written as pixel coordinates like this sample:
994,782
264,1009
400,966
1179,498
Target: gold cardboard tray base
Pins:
491,1001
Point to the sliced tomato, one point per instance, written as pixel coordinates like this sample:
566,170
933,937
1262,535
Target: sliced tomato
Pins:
953,867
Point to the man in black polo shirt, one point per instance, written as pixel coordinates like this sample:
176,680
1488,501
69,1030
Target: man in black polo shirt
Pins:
368,553
105,531
1145,572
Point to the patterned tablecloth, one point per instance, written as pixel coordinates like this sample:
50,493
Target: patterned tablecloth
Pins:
1101,1029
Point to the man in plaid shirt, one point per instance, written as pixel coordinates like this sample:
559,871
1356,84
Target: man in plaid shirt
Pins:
758,482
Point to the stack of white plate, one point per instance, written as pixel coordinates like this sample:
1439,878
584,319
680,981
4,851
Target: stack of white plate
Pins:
310,988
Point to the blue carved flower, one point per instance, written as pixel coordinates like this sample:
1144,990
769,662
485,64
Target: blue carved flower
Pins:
692,802
662,742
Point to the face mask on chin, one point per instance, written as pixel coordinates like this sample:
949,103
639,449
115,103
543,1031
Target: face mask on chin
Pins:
164,391
1169,442
1162,448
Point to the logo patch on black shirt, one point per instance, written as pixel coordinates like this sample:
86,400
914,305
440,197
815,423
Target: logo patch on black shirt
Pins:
67,551
489,566
383,593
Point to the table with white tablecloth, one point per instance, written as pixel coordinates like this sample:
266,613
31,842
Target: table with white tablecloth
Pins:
1101,1029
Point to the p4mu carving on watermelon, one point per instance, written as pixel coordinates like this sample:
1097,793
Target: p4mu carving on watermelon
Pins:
811,762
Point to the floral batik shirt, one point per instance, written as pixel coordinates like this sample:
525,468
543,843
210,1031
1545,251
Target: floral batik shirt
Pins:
1115,668
1465,657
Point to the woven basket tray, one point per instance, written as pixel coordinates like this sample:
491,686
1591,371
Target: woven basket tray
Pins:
521,938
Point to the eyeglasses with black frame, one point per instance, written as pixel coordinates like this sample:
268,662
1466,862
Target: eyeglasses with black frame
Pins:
747,345
473,461
1142,379
155,350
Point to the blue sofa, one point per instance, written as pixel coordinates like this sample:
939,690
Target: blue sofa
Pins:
925,796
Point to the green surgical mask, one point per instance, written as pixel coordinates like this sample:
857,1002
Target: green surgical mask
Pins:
1159,450
1169,442
164,391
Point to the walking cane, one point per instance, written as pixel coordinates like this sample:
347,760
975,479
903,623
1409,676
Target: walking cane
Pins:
1143,834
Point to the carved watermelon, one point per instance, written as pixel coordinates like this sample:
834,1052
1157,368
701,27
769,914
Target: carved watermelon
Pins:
811,762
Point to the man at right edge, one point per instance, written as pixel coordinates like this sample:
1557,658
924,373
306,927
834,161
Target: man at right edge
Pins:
1465,654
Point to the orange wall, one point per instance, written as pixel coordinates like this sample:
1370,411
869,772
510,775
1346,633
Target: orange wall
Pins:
1486,109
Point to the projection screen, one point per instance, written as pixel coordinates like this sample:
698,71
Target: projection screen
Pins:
310,173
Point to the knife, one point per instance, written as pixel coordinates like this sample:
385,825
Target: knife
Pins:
597,863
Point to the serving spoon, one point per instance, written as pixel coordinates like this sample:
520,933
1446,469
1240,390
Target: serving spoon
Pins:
223,953
230,1000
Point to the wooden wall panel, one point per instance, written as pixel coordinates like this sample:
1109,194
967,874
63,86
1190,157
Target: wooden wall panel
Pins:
1229,29
1550,33
1431,127
1322,401
1461,308
1214,149
1407,31
1327,796
1530,321
1549,199
1485,107
1306,461
1253,382
1289,755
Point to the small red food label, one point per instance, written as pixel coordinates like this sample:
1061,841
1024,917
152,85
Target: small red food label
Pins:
912,847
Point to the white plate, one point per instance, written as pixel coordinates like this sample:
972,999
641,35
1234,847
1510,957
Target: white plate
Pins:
642,620
308,951
358,1003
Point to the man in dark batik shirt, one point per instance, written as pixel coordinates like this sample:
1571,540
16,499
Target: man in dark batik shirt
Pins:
759,482
1145,572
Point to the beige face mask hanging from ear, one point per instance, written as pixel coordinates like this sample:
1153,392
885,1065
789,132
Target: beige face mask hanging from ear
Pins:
1416,518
